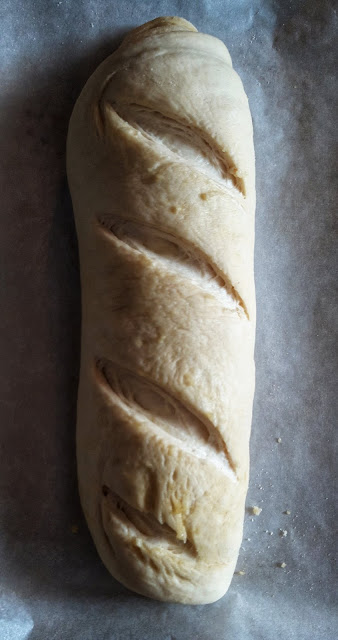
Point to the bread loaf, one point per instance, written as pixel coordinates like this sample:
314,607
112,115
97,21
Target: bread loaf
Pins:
161,172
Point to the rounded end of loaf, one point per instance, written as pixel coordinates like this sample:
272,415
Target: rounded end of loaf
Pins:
157,573
159,25
171,26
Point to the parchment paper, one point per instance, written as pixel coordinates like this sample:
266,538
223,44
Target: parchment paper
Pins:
53,584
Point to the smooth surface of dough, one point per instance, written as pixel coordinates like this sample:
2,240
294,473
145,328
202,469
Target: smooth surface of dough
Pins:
161,171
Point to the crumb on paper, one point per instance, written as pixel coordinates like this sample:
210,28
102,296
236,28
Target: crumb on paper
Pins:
256,511
279,440
287,512
74,528
283,533
240,573
282,565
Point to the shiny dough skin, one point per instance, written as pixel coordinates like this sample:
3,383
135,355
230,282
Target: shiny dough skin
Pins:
160,163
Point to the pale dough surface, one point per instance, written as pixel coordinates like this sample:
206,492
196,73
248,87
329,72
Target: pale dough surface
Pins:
160,163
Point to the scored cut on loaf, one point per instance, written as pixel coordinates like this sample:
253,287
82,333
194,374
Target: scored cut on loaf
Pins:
160,163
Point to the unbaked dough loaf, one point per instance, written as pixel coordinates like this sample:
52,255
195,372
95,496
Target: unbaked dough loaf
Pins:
161,172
